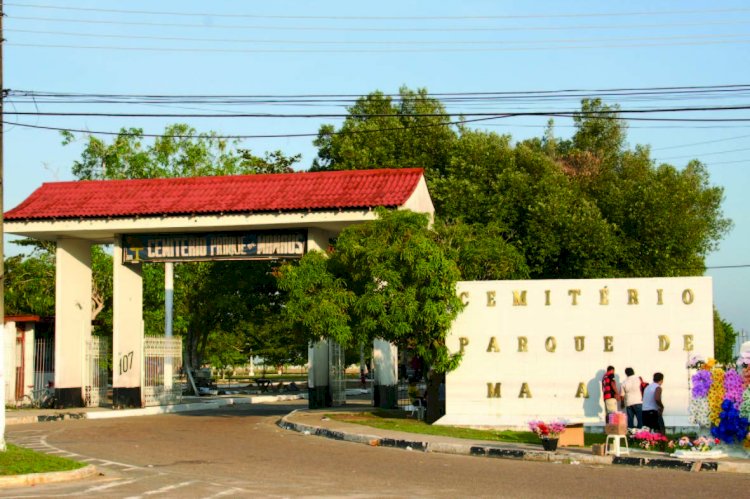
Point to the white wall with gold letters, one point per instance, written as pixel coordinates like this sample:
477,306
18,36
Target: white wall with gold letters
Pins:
538,348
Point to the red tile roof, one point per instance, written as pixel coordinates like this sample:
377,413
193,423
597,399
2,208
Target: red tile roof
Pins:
352,189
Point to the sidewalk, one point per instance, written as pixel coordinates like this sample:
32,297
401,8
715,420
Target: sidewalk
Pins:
189,403
315,422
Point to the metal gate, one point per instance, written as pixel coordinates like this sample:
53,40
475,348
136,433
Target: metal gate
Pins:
44,363
97,374
162,370
336,379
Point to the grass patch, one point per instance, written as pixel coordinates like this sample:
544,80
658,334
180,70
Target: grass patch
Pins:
19,461
396,420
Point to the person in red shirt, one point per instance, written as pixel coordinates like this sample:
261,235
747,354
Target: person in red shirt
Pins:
610,393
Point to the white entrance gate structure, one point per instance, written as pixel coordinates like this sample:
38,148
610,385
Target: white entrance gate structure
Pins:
200,218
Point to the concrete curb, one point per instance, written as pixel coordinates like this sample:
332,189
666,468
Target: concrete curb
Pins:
494,451
150,411
41,478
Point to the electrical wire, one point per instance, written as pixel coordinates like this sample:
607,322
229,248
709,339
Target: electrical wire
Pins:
618,114
131,36
389,18
556,46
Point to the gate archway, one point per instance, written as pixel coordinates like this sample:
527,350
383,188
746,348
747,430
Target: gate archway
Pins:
76,215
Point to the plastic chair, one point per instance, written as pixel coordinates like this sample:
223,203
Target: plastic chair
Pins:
614,442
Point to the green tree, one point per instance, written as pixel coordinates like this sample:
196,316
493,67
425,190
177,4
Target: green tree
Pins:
382,132
583,207
30,283
724,338
388,279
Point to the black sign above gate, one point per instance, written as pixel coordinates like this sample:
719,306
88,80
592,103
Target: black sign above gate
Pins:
257,245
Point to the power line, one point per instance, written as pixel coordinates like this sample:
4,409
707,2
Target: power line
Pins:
265,136
700,143
616,114
580,92
706,154
361,29
131,36
388,18
557,46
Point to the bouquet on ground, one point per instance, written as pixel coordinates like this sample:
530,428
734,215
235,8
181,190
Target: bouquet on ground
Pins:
553,429
648,440
700,444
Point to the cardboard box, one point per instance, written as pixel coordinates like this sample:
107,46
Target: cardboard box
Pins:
616,429
617,418
572,436
597,449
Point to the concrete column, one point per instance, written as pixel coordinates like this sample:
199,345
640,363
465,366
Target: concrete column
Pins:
28,357
168,308
72,319
127,332
317,375
385,357
317,239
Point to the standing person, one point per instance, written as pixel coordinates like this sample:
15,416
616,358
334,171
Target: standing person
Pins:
632,398
610,393
653,408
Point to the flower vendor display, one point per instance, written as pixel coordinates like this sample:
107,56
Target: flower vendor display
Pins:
720,400
648,440
548,432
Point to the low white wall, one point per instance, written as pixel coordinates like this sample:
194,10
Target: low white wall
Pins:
538,349
9,362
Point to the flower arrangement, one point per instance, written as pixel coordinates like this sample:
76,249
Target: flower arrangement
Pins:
544,430
733,387
743,360
701,382
700,444
716,394
700,414
647,439
732,427
745,405
720,399
695,362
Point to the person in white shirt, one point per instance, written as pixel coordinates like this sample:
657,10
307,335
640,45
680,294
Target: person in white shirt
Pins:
633,398
653,408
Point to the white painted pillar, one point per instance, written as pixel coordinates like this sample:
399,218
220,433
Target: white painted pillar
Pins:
168,311
318,363
385,357
317,239
8,372
28,354
317,374
127,331
72,319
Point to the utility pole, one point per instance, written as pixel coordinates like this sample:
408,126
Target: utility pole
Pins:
2,245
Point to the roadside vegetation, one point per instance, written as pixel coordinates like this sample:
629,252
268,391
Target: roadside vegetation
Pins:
397,420
19,461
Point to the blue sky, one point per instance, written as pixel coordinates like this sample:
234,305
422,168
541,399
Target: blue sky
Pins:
342,47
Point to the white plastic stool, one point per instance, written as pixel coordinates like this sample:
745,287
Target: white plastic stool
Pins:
613,442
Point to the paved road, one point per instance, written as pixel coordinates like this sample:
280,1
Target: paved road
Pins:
240,452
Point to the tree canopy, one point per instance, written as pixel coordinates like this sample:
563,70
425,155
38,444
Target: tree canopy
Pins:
388,278
582,207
